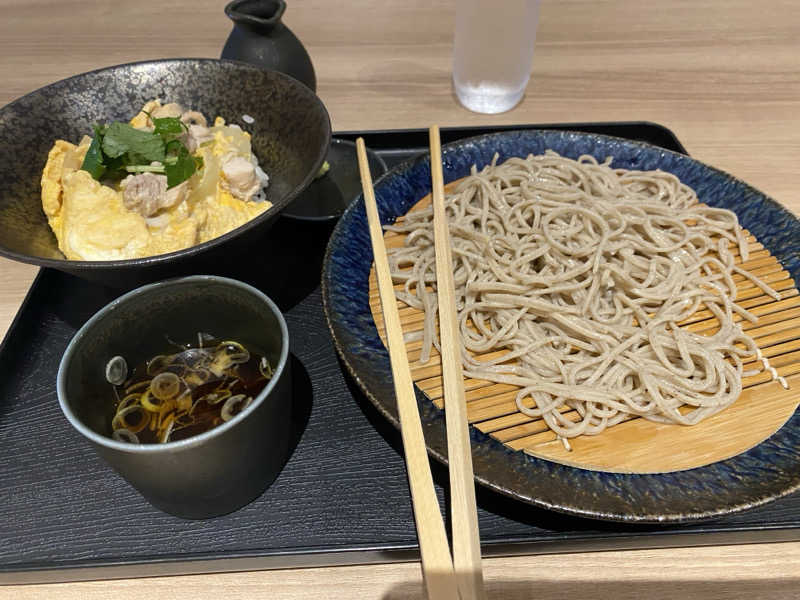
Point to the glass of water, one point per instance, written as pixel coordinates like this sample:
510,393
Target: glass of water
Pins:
493,52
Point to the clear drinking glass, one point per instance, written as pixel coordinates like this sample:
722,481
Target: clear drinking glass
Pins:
493,52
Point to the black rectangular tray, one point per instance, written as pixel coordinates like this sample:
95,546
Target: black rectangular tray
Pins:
342,497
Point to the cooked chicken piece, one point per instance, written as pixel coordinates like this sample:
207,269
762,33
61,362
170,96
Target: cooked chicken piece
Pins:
176,195
192,117
168,110
239,177
147,193
144,193
196,135
155,109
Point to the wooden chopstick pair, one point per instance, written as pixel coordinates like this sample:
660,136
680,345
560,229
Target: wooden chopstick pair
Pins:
445,577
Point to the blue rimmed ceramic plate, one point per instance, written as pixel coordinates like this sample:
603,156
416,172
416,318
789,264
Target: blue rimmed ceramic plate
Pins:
763,473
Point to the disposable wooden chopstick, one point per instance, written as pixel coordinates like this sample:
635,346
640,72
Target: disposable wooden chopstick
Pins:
466,539
437,565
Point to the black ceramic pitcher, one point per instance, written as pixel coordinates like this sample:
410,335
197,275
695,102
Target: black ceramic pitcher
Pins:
259,37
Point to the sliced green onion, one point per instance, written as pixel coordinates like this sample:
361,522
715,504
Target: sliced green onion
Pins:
164,399
234,405
128,400
235,351
265,368
122,420
164,437
217,397
151,403
116,371
123,435
165,385
226,355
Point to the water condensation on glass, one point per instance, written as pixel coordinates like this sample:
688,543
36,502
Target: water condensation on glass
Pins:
493,52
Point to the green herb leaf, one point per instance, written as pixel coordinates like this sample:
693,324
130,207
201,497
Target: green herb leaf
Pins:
93,161
182,167
119,149
168,127
121,138
115,167
99,130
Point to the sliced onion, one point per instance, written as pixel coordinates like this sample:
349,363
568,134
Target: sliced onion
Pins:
158,221
116,371
165,385
121,419
235,403
124,435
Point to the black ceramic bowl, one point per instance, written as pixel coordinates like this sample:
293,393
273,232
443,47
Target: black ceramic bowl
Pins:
290,136
209,474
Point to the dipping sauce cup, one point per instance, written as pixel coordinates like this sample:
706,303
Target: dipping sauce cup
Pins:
212,473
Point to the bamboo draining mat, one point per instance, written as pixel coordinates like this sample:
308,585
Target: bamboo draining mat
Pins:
639,445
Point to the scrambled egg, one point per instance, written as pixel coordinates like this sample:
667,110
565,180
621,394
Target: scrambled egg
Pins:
91,221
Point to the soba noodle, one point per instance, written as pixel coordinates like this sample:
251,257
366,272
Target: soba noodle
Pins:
571,280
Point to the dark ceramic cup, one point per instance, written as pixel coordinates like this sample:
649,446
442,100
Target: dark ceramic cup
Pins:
218,471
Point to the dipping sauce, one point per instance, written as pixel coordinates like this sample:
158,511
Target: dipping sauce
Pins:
175,396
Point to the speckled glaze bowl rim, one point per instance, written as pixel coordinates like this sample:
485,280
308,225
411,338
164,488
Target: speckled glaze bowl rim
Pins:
158,259
663,516
158,288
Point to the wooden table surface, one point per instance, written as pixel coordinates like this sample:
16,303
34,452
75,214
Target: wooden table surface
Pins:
724,75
